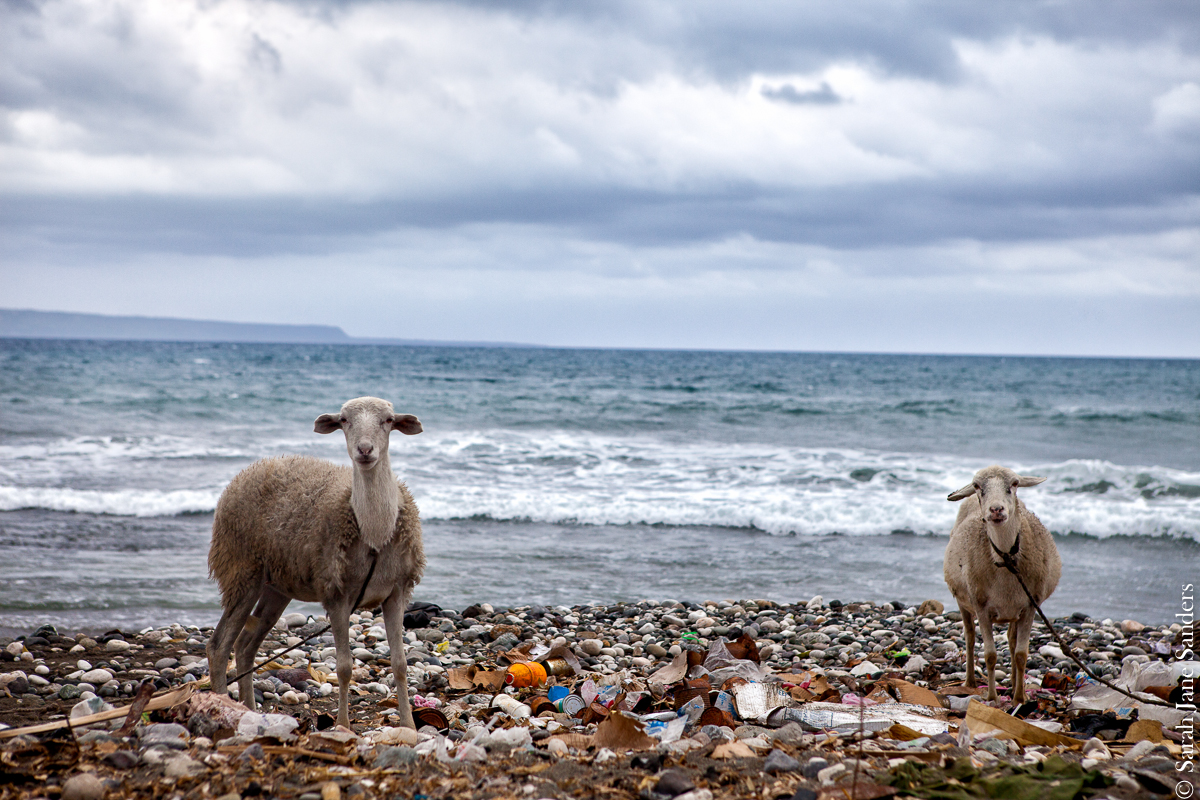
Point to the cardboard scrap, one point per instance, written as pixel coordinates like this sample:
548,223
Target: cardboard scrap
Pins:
903,733
671,673
576,741
981,719
167,700
459,679
795,678
734,749
800,694
467,678
1145,730
620,733
915,695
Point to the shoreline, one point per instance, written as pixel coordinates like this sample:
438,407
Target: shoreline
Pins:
515,564
842,648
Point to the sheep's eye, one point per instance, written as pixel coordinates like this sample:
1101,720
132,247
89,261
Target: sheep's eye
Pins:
342,420
389,420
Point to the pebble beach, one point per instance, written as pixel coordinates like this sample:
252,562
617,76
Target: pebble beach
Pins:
888,680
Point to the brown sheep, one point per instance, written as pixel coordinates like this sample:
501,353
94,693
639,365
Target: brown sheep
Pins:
999,523
300,528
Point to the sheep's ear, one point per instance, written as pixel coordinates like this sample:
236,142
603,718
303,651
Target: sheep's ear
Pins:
1028,480
966,491
327,423
407,424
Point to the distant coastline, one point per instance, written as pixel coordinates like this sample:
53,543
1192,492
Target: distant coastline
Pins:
29,324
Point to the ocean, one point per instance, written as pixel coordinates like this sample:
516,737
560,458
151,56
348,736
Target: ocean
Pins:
561,476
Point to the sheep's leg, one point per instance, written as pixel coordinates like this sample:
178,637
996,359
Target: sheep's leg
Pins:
221,641
1012,657
271,604
339,623
989,650
1019,649
969,634
393,621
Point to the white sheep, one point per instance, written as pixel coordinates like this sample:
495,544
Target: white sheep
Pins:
999,524
299,527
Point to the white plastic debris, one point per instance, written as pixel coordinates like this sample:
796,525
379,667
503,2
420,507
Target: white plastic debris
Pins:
274,726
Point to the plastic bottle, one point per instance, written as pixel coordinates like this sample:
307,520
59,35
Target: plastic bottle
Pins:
511,706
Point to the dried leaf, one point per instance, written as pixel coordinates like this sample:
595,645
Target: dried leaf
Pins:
620,733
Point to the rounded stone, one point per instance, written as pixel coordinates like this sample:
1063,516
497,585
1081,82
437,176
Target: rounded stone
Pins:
84,786
96,677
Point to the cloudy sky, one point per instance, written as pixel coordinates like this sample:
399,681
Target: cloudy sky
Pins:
1017,177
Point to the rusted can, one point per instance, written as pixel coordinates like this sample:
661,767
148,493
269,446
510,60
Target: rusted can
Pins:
557,666
571,705
540,704
430,716
716,716
527,674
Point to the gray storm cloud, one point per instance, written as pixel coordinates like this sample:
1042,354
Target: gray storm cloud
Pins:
657,156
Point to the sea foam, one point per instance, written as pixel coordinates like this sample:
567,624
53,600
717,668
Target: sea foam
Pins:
590,479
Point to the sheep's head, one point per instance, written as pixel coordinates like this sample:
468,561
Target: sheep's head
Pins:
367,421
996,487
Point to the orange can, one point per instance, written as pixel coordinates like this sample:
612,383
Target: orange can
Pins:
522,675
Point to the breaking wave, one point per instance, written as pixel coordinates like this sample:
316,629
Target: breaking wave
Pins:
589,479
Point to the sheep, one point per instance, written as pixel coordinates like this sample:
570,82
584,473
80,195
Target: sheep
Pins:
983,587
296,527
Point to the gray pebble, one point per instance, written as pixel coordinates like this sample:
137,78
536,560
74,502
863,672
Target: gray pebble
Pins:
163,733
252,753
395,757
790,733
181,766
994,746
813,766
121,759
779,761
673,782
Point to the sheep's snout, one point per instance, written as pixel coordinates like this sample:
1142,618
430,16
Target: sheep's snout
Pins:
998,514
364,453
